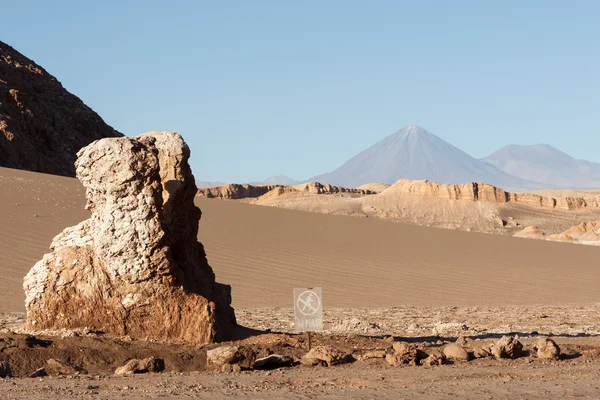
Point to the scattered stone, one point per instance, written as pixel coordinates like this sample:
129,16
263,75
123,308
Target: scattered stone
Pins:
54,367
369,354
482,351
137,257
456,353
5,371
273,361
230,355
507,347
404,354
328,355
150,364
435,358
547,349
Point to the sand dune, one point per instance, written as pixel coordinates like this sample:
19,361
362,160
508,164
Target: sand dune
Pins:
264,252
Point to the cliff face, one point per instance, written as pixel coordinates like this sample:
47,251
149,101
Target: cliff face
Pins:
484,192
42,125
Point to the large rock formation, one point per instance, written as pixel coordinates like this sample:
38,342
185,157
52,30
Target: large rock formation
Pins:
42,125
477,191
135,267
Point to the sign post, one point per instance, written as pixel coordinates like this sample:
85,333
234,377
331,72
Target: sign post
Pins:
308,311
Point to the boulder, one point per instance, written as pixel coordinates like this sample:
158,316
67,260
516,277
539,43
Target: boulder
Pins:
435,358
456,353
135,267
547,349
150,364
55,367
482,350
404,354
221,356
327,355
507,347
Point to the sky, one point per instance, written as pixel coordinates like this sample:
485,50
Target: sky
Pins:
260,88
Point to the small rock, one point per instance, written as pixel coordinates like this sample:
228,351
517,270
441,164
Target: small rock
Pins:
5,371
328,355
367,355
403,354
482,351
150,364
273,361
220,356
507,347
435,358
455,352
547,349
54,367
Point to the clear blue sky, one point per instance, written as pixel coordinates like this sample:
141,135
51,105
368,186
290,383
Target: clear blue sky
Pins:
259,88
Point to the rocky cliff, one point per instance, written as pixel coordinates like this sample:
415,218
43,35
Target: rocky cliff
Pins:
42,125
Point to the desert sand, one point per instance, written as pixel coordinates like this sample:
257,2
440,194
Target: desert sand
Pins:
379,278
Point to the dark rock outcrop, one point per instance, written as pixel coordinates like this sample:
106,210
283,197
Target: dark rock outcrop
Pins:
42,125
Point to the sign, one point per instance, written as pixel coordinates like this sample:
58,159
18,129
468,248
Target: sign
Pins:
308,309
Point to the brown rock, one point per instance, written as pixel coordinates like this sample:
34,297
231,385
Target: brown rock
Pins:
547,349
54,367
482,350
150,364
455,352
404,354
435,358
42,125
507,347
135,267
369,354
328,355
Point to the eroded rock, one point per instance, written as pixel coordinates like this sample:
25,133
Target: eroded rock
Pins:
327,355
221,356
404,354
135,267
150,364
455,352
547,349
507,347
55,367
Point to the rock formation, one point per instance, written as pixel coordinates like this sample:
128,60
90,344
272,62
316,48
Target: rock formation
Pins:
484,192
42,125
236,191
135,267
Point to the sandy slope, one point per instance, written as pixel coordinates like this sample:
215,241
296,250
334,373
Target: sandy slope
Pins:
264,252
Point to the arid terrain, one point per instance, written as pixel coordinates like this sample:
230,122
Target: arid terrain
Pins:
383,283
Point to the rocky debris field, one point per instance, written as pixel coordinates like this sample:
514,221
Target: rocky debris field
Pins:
87,364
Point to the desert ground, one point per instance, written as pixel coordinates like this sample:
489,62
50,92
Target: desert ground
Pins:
382,281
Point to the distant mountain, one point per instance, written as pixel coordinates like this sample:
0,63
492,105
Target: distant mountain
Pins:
281,180
42,125
547,165
414,153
